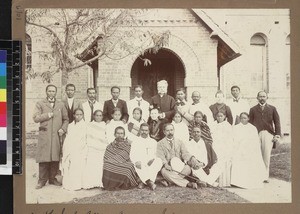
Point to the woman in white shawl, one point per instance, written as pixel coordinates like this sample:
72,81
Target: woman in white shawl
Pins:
113,124
181,130
223,146
74,151
96,144
248,169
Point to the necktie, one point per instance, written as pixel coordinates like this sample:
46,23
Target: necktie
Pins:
92,110
139,102
52,102
171,143
262,107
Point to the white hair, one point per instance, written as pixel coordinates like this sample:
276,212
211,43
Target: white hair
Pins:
162,82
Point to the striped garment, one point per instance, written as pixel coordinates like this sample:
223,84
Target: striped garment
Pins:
205,131
118,170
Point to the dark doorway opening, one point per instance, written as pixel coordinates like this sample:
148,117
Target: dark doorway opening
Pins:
165,65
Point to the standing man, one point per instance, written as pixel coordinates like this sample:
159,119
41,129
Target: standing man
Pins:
91,105
237,104
52,116
163,102
266,119
115,102
70,102
199,106
174,156
138,101
143,155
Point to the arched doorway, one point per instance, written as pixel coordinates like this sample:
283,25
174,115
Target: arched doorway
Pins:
165,65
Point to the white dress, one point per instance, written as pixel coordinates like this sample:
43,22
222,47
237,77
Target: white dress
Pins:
96,144
248,169
181,131
74,155
110,129
223,145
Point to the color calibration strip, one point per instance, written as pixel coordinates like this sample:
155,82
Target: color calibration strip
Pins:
3,107
11,107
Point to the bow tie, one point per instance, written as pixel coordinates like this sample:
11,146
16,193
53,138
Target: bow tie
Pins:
235,100
51,101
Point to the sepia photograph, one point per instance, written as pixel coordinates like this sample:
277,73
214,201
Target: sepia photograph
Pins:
157,106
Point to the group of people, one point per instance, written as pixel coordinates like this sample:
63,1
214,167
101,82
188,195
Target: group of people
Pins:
119,144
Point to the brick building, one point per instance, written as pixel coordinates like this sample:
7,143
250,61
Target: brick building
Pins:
207,50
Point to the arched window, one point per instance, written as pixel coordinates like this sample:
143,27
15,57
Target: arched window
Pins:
28,52
259,62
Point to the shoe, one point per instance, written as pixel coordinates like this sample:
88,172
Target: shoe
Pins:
55,183
141,185
201,184
266,181
39,185
164,183
192,185
151,184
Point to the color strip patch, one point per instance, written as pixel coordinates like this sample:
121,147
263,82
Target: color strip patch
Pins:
3,108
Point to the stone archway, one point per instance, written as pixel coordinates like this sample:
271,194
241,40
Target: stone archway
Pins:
165,65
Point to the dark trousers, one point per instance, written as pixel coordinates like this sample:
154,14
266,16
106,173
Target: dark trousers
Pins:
48,171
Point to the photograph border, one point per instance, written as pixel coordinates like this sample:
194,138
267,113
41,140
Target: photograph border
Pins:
18,33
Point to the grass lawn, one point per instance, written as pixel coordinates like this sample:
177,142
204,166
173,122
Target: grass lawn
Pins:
164,195
280,166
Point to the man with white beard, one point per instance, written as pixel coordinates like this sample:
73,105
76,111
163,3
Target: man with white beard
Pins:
143,155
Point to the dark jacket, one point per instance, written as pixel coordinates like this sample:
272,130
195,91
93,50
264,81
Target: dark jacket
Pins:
267,119
109,107
165,104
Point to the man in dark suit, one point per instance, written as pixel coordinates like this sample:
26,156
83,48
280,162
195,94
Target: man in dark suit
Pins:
163,102
115,102
266,119
70,102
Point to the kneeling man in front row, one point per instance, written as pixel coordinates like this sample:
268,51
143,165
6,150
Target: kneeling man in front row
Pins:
143,155
174,156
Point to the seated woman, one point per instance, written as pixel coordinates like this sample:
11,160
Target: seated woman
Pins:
74,153
248,169
205,130
181,131
118,170
136,121
223,145
96,144
113,124
156,125
221,106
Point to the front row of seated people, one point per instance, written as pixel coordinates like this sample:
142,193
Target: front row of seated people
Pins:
121,156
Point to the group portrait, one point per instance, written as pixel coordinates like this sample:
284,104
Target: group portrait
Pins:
164,105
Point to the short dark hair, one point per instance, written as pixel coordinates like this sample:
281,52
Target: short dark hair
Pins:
144,124
180,89
138,108
235,86
116,109
78,109
115,87
89,89
261,92
70,85
245,113
138,86
98,110
198,112
119,127
167,124
51,85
